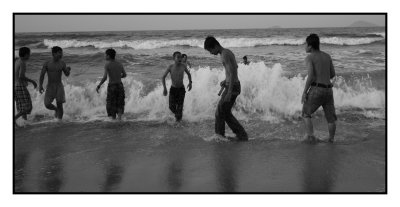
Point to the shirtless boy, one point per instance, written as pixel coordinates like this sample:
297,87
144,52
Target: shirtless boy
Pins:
318,89
22,96
55,89
228,98
177,90
115,90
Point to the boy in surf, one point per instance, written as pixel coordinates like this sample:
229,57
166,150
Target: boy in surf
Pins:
232,91
184,61
177,90
21,94
55,89
245,61
318,89
115,90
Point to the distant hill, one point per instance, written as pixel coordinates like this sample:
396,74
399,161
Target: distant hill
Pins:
363,24
275,27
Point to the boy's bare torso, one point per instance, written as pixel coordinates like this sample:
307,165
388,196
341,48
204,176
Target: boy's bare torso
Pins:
228,59
54,71
177,72
17,69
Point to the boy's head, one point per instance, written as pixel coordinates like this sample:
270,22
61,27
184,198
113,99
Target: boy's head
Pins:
184,57
211,45
57,52
24,53
312,42
110,54
245,58
177,56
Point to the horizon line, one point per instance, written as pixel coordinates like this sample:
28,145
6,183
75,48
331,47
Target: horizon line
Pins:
272,27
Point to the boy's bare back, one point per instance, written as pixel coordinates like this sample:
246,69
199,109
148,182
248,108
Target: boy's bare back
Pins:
18,69
115,71
323,67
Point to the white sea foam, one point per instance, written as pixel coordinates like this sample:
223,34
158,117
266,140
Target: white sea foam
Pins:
227,42
266,95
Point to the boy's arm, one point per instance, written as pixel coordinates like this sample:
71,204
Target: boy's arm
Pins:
103,79
229,66
163,80
66,69
310,78
190,78
42,73
332,70
22,76
123,72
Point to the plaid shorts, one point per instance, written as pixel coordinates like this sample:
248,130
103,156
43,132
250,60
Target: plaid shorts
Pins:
23,99
317,97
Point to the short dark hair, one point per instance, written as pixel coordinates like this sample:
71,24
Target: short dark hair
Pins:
24,51
176,53
111,52
244,57
56,49
313,41
210,43
184,55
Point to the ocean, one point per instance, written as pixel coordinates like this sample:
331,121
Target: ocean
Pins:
60,155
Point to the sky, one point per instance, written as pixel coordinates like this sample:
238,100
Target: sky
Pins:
70,23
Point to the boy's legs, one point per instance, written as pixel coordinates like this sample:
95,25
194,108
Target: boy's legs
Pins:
232,122
49,96
332,130
111,105
330,114
23,101
120,100
60,110
312,103
179,104
220,116
173,100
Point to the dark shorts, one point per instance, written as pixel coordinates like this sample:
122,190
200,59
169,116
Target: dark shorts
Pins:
317,97
54,91
115,99
176,99
23,99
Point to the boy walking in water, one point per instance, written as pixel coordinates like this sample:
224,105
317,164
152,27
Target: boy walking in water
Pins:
55,89
115,90
318,88
177,90
232,90
22,96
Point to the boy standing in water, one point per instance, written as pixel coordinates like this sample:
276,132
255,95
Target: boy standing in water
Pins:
177,90
115,90
318,88
184,61
22,96
245,61
55,89
228,98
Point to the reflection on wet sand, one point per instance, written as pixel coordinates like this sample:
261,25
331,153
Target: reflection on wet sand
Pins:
174,173
319,171
20,170
226,162
51,174
113,177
